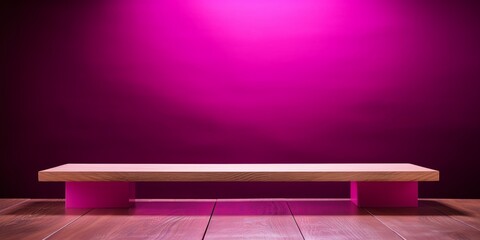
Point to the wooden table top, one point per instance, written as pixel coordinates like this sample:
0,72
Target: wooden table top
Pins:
239,172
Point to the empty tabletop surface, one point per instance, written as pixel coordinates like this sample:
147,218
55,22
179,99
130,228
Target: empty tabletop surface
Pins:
240,172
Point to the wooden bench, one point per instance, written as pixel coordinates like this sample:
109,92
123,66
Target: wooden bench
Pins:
113,185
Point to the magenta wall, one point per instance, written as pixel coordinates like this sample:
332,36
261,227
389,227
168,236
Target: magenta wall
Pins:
230,81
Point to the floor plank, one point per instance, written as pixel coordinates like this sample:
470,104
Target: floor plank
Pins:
337,219
250,219
424,222
36,219
9,202
147,220
241,219
464,210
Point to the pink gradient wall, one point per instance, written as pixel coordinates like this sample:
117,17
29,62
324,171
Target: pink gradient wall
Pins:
230,81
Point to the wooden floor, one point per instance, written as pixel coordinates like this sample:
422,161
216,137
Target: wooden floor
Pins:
240,219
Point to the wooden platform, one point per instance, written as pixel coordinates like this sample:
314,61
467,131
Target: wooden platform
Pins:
113,185
237,172
240,219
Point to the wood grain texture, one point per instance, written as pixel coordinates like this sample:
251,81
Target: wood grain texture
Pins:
252,220
6,203
463,210
147,220
424,222
242,219
238,172
36,219
337,219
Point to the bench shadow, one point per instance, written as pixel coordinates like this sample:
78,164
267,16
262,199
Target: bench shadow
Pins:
425,208
44,207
